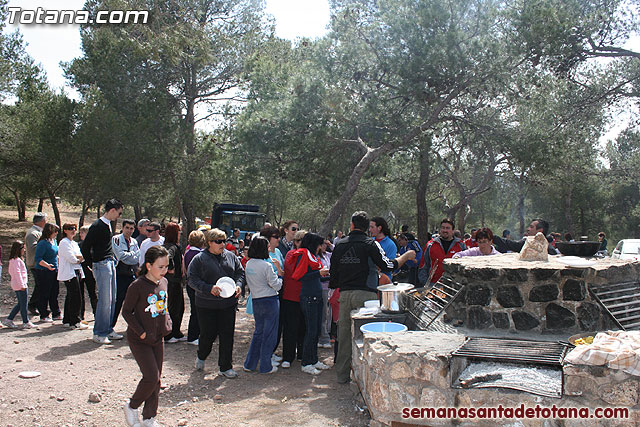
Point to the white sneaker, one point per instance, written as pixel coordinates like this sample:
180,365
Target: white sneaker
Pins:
8,323
272,371
101,340
229,373
310,369
151,422
276,358
115,336
194,342
286,364
325,345
66,325
78,326
199,364
46,320
274,363
132,415
28,325
321,366
172,340
182,338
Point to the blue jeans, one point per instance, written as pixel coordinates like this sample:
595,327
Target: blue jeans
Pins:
265,312
21,306
312,310
105,274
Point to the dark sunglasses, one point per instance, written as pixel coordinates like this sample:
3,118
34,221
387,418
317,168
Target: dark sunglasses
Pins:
70,228
294,228
218,241
151,230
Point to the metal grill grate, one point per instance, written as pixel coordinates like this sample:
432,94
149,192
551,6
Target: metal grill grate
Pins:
621,301
511,350
427,305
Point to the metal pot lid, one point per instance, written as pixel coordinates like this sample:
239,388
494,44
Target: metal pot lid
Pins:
396,287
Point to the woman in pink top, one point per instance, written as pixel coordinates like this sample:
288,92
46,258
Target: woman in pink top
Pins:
18,272
484,237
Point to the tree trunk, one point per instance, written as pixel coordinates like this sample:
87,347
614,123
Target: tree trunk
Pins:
371,155
583,225
40,204
567,212
85,210
22,211
137,212
56,211
20,205
421,192
188,223
521,212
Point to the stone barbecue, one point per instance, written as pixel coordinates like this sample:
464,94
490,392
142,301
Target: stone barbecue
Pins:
502,297
508,295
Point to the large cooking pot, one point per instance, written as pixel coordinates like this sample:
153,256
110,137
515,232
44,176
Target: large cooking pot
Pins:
578,248
394,297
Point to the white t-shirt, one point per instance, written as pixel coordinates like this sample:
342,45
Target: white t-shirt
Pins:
146,244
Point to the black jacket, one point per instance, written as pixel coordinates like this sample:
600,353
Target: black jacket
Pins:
204,271
354,260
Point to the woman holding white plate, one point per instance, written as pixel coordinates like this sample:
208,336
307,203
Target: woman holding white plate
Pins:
212,274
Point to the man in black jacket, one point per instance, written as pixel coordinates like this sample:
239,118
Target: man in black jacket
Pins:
98,252
354,270
536,226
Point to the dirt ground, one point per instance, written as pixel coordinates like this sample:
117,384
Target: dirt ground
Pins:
72,367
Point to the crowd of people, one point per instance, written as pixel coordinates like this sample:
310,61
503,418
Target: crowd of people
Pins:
299,286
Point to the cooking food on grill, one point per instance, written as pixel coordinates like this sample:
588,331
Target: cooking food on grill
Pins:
584,341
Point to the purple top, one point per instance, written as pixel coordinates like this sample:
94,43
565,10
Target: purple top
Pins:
188,256
474,252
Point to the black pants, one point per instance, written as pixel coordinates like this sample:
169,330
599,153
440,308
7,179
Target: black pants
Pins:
149,358
48,293
217,323
88,283
194,326
122,284
280,321
73,301
175,308
35,292
293,330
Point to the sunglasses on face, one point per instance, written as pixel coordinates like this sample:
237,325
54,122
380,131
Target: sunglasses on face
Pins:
294,228
151,230
219,241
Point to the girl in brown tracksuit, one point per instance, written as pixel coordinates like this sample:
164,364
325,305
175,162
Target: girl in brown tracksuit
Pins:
145,311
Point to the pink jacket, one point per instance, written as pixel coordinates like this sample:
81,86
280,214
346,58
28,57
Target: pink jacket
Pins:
18,272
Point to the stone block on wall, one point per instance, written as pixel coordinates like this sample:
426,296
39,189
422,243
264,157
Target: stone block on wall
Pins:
509,297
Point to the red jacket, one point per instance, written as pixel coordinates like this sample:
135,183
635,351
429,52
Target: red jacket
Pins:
291,286
470,243
435,256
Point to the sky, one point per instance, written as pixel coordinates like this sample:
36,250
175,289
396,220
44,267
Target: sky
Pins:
52,44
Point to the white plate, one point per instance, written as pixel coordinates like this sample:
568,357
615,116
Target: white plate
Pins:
227,286
575,261
29,374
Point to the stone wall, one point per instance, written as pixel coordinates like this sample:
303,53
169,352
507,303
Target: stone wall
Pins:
505,294
411,370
